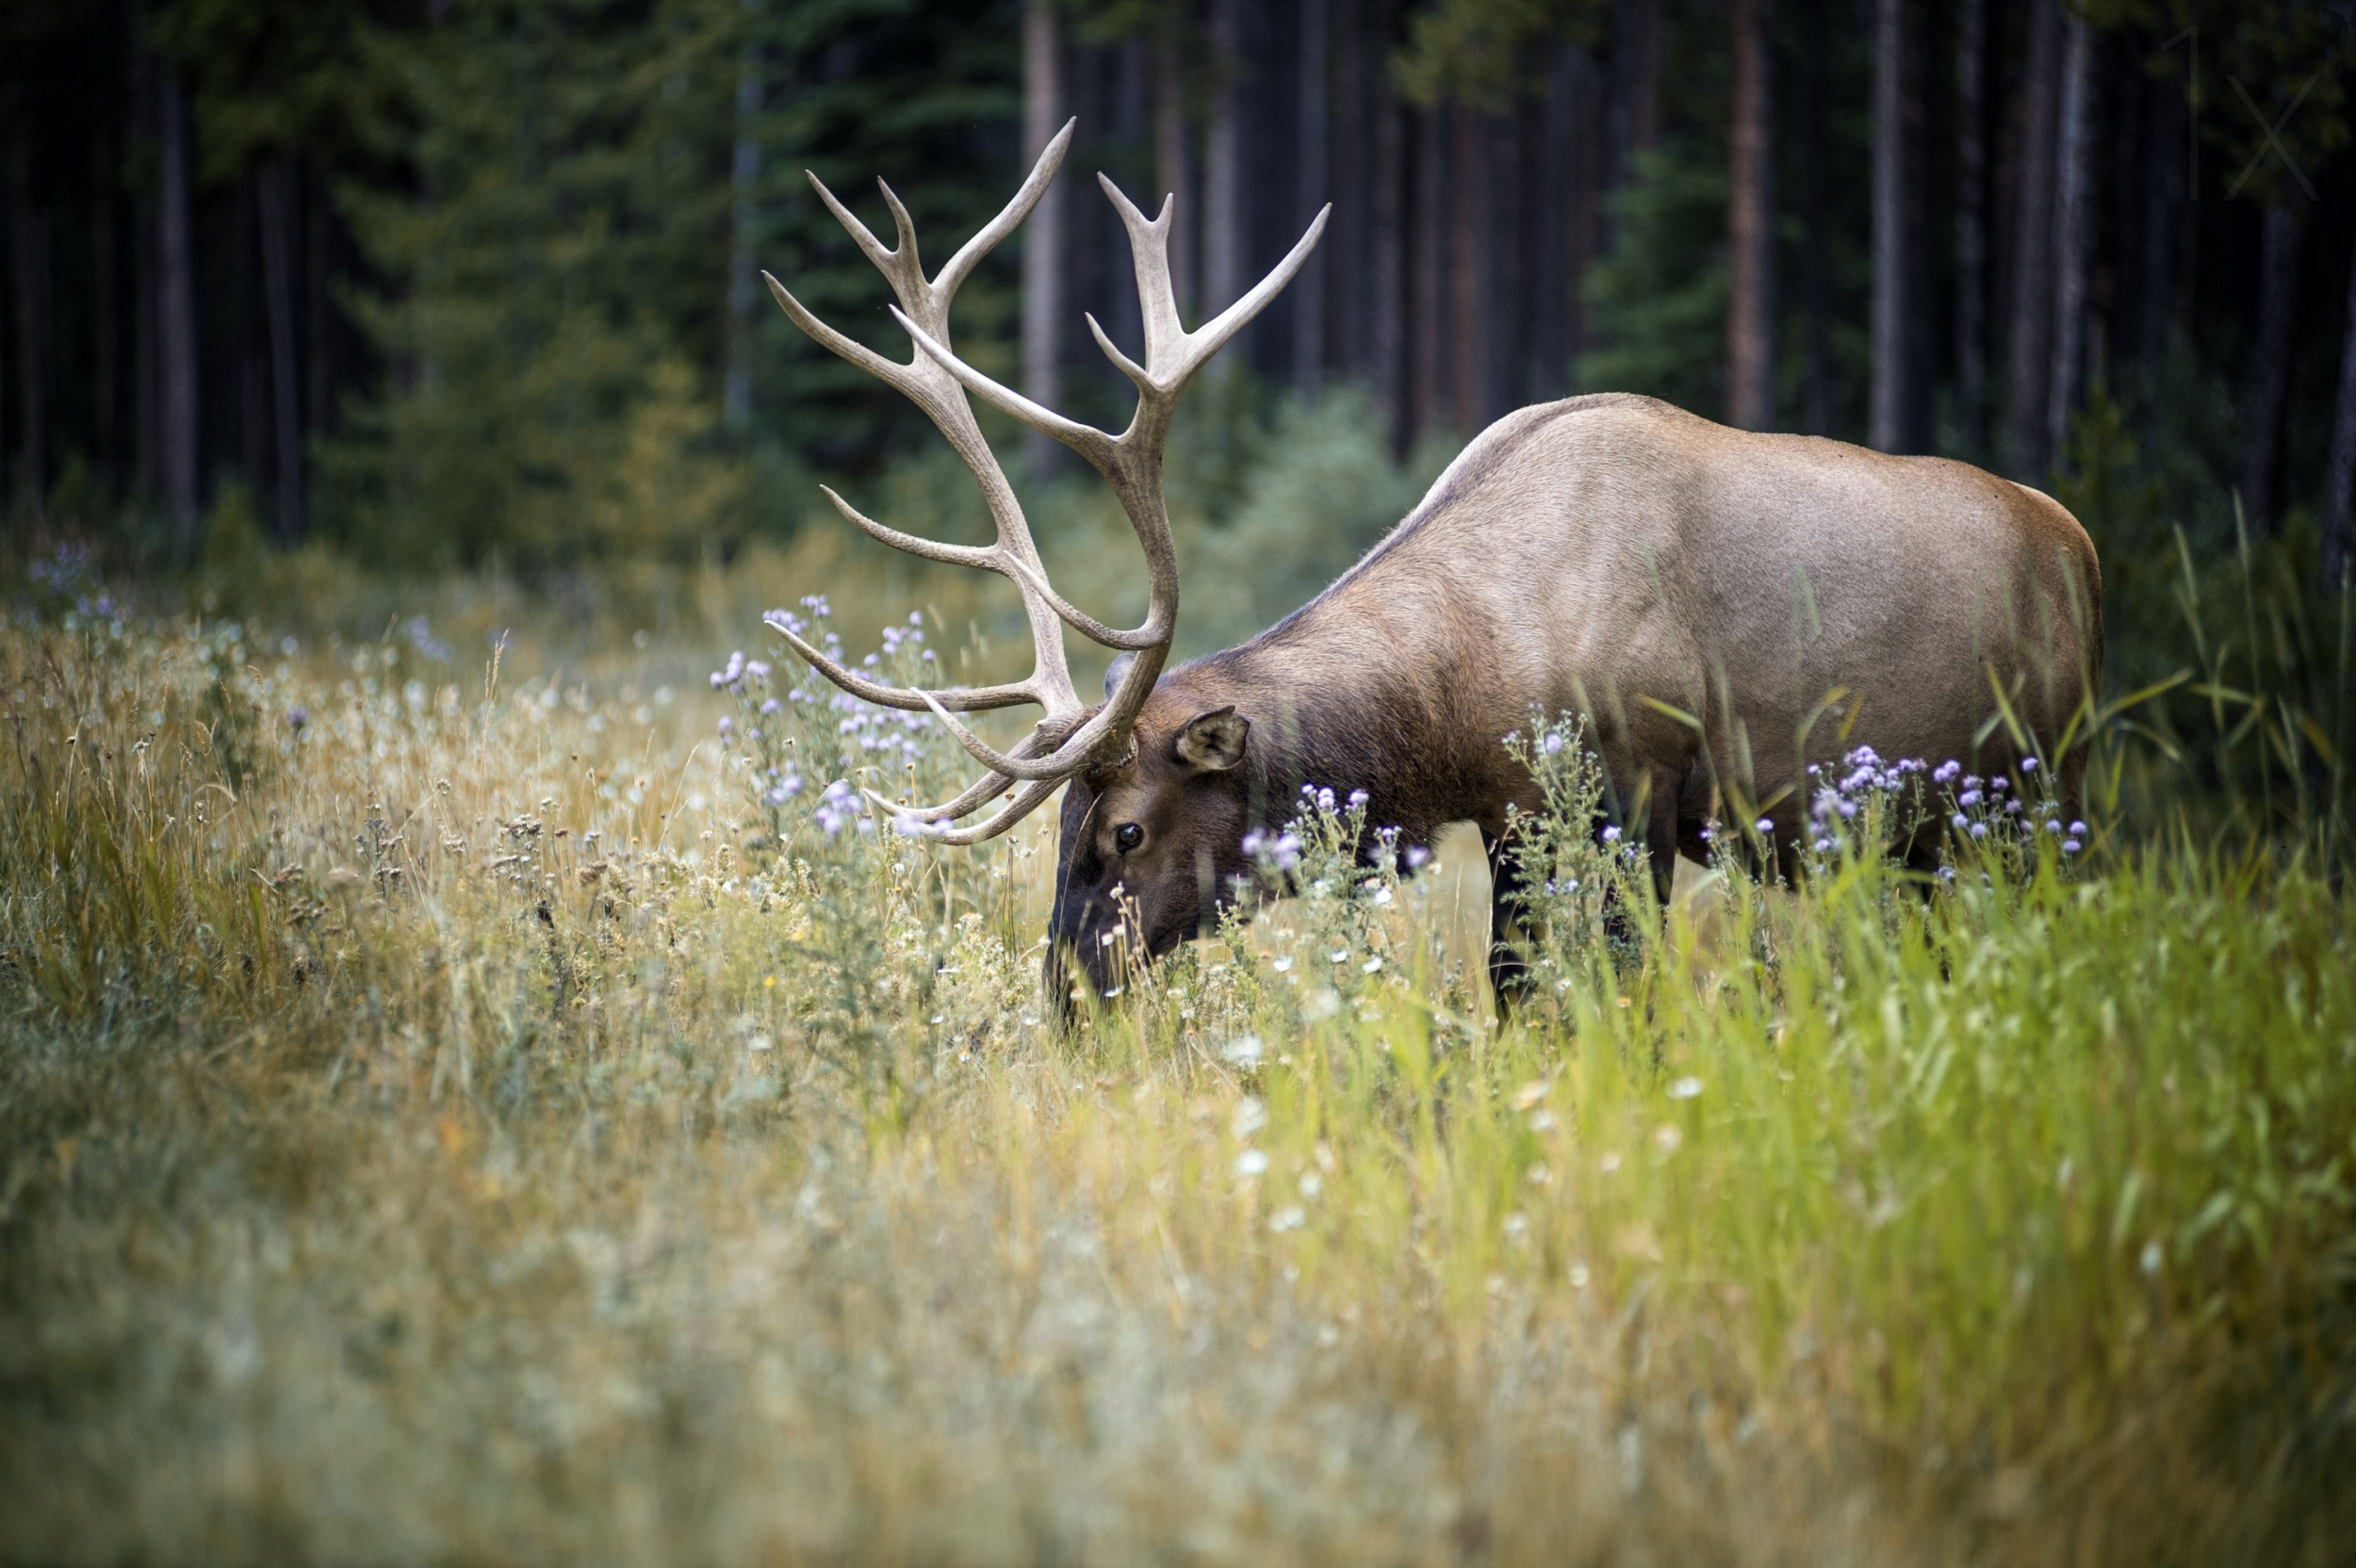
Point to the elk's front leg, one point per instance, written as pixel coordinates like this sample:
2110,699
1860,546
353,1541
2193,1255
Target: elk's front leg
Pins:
1509,969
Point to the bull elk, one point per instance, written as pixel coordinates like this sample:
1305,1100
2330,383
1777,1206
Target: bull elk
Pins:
1725,607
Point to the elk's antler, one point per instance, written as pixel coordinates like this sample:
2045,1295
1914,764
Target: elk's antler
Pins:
1069,739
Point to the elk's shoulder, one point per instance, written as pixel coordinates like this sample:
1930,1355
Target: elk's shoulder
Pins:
1540,440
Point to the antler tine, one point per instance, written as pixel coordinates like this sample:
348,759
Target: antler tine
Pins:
891,372
1121,362
905,224
952,277
1208,339
1131,461
1027,801
892,264
1059,763
913,699
1086,440
1075,617
922,382
988,787
1171,353
904,269
1169,364
930,549
1069,739
1148,253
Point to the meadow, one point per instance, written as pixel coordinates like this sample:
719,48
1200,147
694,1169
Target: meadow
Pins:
477,1091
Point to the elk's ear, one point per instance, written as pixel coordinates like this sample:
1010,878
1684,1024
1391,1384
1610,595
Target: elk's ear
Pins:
1114,672
1213,742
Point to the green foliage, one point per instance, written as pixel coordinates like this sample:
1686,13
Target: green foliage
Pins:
2235,660
926,99
1486,52
2258,59
548,273
230,567
273,76
1586,890
1657,298
1660,295
553,288
2103,478
1270,501
1322,491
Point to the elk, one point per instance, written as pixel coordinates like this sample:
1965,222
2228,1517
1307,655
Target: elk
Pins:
1726,608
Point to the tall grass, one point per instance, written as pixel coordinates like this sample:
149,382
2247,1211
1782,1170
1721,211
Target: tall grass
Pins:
2239,670
493,1118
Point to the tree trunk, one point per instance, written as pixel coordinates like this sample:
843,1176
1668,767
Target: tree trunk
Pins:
1386,324
736,398
1634,118
1170,164
176,318
30,224
1751,225
1132,124
1504,208
1815,231
320,375
279,180
2028,351
1467,327
1636,62
106,284
147,296
2269,371
4,426
1042,241
247,356
1893,367
2337,496
1588,116
1351,234
1308,288
1551,259
1972,216
1428,226
2074,225
1223,173
2163,162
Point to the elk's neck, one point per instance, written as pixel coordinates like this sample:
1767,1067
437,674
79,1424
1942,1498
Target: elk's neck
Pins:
1344,701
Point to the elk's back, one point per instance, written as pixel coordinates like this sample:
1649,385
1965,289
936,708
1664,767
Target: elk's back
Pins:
1795,595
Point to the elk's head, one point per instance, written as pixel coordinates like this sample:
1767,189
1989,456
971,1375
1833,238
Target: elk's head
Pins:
1146,798
1150,848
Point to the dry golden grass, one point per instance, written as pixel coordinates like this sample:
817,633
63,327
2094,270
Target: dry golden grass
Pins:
476,1126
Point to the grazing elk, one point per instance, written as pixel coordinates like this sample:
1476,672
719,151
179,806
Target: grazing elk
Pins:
1727,607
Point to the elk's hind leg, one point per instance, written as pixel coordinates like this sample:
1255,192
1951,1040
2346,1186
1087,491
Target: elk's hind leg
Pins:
1661,833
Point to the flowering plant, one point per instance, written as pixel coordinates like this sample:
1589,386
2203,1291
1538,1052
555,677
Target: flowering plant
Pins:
1582,882
810,731
1342,937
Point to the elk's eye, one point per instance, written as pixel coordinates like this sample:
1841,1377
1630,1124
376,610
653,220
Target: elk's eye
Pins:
1127,837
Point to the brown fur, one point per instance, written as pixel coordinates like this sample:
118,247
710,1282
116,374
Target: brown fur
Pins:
1616,556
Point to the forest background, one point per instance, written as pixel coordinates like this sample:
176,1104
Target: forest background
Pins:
456,285
469,1090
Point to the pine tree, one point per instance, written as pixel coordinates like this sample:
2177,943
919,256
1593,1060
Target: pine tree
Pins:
556,319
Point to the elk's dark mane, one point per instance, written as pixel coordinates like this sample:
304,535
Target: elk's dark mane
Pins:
1378,719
